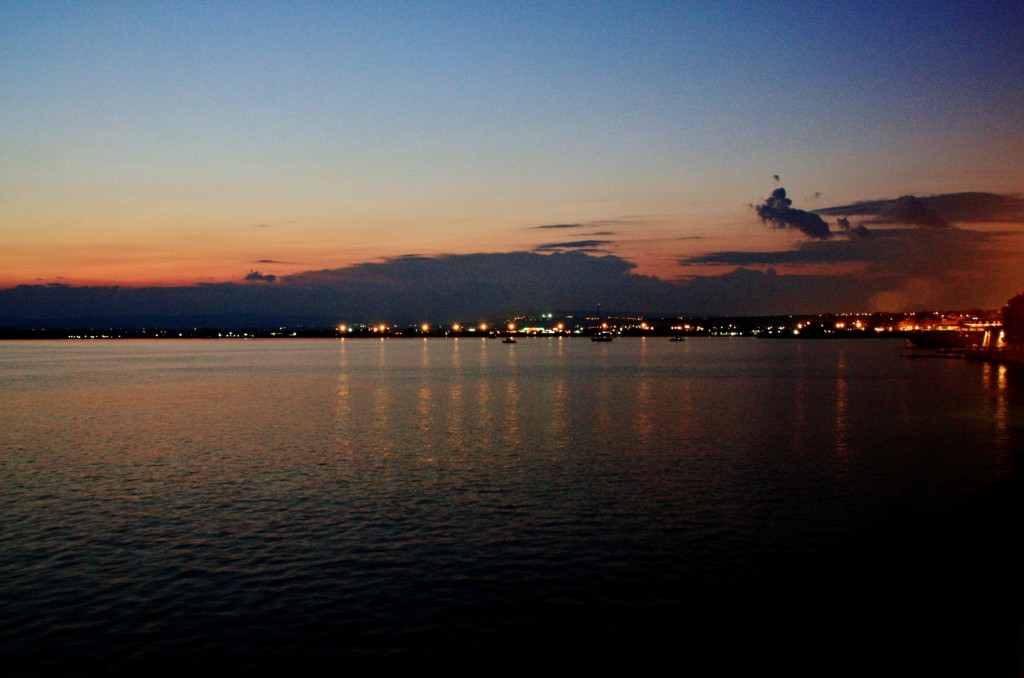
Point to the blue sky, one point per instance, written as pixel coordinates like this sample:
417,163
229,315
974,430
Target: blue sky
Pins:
180,143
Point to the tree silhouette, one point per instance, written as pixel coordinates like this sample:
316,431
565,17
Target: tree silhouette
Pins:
1013,321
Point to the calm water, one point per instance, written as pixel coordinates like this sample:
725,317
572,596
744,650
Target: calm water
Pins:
291,502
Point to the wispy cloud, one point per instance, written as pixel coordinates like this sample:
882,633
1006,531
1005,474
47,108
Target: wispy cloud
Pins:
936,210
599,223
583,245
273,224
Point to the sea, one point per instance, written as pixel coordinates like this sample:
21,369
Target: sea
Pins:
316,506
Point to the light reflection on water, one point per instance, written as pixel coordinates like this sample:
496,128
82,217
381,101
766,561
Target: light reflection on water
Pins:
388,496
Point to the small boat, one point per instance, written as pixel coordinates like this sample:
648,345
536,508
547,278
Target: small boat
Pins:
509,340
677,338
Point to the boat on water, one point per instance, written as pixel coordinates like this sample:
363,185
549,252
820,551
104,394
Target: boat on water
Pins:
601,336
677,338
509,340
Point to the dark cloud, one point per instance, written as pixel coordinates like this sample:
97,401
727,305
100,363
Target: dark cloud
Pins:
936,210
894,269
478,285
587,245
260,277
445,288
851,231
777,210
831,252
900,268
918,268
911,210
880,249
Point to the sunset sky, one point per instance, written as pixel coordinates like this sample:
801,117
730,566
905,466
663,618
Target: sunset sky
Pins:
169,144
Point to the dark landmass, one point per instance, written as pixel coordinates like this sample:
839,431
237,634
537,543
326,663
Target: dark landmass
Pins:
816,326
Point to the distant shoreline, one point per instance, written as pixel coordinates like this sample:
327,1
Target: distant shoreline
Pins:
141,335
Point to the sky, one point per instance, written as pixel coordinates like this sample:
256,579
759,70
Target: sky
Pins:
347,158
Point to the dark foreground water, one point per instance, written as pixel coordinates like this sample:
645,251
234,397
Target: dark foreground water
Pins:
816,506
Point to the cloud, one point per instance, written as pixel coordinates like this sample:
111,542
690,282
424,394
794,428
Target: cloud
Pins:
851,231
891,250
445,288
836,252
260,277
599,223
890,268
911,210
279,223
934,264
909,271
586,245
936,210
777,211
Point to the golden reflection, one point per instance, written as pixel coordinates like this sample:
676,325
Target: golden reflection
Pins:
485,413
510,407
343,411
425,407
380,418
510,404
425,355
455,423
343,399
799,400
560,414
343,388
842,415
995,378
645,405
604,410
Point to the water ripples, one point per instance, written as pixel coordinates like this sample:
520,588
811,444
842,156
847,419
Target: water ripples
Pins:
265,504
